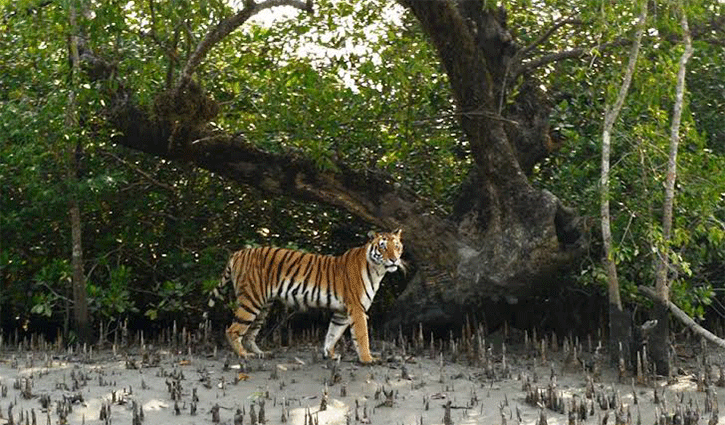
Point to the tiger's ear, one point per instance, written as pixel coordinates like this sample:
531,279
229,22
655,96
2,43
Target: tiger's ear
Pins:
397,233
371,234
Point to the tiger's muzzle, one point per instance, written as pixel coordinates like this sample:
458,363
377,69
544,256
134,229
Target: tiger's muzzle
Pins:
392,266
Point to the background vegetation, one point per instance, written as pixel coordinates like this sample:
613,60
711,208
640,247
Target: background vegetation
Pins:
353,81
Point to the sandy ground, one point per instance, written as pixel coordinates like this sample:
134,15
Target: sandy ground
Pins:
295,385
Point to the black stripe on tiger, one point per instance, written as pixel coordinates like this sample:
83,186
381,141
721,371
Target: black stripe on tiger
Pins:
249,310
336,323
370,279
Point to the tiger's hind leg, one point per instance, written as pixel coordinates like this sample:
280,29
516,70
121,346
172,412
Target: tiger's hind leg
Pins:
245,316
339,322
249,339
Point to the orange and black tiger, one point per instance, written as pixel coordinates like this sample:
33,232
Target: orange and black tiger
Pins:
345,284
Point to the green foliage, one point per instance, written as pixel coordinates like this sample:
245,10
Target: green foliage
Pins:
113,299
174,298
640,152
46,300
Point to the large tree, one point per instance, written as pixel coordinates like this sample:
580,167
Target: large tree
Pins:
504,238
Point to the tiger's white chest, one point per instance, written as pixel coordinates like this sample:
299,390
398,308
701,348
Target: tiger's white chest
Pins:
372,277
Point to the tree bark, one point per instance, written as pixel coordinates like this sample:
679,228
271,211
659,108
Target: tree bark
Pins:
81,321
505,239
660,336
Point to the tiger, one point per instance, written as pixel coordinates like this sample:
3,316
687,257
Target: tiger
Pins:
345,284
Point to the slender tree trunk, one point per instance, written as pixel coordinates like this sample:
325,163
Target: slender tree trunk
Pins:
80,303
610,267
620,329
660,335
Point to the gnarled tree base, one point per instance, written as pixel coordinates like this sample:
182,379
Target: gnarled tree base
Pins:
520,259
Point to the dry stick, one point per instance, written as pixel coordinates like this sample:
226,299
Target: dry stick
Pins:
139,171
683,317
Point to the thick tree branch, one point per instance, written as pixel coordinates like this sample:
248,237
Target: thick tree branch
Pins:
368,194
522,53
449,33
226,26
474,47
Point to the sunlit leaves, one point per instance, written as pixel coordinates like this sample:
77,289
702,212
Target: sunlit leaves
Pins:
351,84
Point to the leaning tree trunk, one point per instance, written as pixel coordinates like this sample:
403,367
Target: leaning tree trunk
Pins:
505,238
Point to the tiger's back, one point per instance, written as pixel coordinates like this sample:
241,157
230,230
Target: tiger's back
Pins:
298,279
345,284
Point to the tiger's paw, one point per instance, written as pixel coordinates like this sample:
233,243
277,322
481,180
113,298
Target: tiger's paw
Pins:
246,355
239,349
256,351
369,360
330,354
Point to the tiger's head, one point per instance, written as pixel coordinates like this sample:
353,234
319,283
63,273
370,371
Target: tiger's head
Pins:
385,249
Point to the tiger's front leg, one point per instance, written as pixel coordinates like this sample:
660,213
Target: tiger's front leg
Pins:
339,322
360,337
